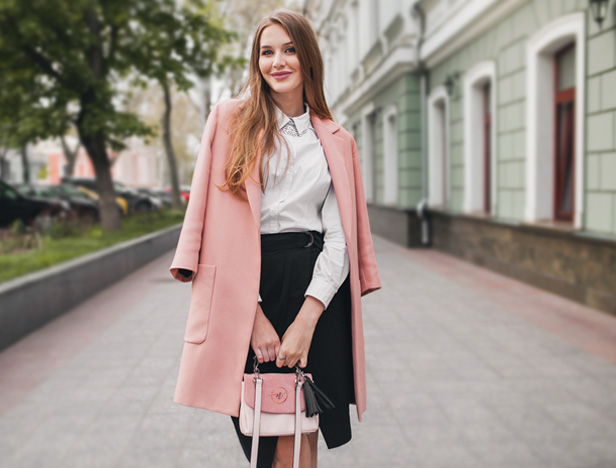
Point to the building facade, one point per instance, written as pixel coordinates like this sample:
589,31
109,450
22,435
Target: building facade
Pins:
496,119
138,165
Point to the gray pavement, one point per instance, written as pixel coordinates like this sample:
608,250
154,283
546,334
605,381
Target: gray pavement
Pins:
466,368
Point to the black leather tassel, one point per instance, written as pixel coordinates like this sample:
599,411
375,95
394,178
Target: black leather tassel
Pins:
316,400
312,406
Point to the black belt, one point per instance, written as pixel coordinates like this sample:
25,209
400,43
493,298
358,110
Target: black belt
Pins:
291,240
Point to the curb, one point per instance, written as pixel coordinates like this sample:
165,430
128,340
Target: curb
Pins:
32,300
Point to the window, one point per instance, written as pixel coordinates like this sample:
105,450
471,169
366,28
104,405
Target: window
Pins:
555,121
479,138
368,150
438,160
391,156
353,37
487,144
374,21
564,116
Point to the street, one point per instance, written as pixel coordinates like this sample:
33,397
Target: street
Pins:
466,368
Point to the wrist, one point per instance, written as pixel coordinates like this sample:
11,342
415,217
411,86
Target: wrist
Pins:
311,311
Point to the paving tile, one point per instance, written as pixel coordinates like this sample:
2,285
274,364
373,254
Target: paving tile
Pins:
465,368
506,453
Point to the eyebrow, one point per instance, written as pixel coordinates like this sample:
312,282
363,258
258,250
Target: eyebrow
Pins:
270,47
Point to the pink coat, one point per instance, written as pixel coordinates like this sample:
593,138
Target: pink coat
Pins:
220,242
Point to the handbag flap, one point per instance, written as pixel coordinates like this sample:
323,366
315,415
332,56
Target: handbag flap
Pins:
278,393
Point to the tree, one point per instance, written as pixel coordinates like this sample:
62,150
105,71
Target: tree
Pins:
4,149
180,55
70,155
21,118
186,125
73,59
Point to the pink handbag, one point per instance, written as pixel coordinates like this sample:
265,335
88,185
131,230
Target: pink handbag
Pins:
274,405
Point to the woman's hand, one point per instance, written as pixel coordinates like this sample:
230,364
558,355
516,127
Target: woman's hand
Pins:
265,342
298,337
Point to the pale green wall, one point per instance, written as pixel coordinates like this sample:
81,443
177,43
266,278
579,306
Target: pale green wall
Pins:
600,200
505,44
404,94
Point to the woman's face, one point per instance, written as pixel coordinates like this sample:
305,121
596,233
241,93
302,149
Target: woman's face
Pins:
279,64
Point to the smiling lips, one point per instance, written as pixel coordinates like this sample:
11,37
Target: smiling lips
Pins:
281,75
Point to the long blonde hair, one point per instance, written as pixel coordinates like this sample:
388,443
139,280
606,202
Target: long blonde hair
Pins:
258,112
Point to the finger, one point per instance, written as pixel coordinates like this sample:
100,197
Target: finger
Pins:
282,353
303,362
259,355
271,353
290,362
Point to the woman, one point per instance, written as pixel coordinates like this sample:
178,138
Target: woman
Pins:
277,243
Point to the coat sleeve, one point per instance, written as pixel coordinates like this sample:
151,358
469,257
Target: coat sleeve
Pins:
368,272
189,244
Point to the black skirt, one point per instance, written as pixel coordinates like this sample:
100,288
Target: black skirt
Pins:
286,270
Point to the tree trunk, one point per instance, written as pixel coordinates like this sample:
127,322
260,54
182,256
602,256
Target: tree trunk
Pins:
171,160
95,146
25,165
4,164
94,140
71,158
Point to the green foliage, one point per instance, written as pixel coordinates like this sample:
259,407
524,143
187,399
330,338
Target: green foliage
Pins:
66,242
68,61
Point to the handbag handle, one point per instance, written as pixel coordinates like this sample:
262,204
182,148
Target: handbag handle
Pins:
254,449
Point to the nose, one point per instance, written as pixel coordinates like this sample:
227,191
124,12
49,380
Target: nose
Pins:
279,60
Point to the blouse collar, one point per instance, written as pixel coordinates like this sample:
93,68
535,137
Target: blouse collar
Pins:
302,122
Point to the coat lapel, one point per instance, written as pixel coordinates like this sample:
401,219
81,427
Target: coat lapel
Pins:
333,147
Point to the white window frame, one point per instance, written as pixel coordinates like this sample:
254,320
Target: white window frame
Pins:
368,150
474,81
390,147
438,142
540,116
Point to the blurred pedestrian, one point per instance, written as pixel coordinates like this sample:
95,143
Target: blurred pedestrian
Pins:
277,243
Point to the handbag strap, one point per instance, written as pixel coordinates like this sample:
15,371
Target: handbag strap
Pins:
256,428
298,423
254,450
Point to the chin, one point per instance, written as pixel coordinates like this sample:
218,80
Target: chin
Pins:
286,89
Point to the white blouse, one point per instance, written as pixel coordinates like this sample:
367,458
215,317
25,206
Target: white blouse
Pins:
303,199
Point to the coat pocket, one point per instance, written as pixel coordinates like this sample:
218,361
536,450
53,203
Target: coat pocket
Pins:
200,304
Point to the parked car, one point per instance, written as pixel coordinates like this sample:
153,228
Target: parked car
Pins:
184,191
158,194
120,202
142,202
137,203
16,206
80,204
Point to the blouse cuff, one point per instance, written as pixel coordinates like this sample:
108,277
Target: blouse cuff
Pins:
321,290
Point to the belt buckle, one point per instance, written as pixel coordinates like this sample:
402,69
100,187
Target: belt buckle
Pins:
311,241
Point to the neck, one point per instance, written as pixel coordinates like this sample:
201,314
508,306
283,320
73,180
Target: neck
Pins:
291,105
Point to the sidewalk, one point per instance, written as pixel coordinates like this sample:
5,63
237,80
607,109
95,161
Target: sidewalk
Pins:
466,368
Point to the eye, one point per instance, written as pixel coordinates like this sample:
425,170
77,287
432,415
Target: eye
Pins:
266,52
290,50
